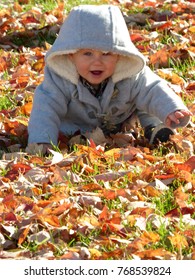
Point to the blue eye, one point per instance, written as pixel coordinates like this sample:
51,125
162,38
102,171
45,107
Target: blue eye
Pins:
87,53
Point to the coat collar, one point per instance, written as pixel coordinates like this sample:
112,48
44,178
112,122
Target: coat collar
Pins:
86,96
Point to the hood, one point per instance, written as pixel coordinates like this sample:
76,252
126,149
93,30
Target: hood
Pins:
100,27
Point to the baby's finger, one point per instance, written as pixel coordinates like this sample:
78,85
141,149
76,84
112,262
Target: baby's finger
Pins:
182,113
179,114
174,118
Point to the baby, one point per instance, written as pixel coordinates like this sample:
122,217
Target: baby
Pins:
95,77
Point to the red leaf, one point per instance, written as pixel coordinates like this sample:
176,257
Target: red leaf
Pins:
10,217
16,170
177,212
92,144
135,37
105,214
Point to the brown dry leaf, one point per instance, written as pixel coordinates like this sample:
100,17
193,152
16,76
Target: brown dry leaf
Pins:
61,209
97,136
150,191
184,144
181,197
123,153
122,139
43,203
3,64
9,217
111,176
39,65
39,237
91,187
90,221
156,254
172,77
105,214
160,58
70,256
144,212
90,201
149,237
51,220
37,175
136,37
86,168
176,212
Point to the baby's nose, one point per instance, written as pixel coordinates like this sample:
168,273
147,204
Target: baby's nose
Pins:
98,59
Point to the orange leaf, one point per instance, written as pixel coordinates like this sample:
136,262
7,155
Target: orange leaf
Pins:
166,25
149,237
52,220
155,254
144,212
3,64
189,165
178,240
109,194
185,175
43,203
91,187
105,214
150,191
135,37
23,235
160,58
39,65
61,209
181,197
26,109
10,201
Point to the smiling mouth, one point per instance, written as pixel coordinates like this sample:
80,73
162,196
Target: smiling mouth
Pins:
97,72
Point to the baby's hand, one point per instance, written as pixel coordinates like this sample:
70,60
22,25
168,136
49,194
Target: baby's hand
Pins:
176,116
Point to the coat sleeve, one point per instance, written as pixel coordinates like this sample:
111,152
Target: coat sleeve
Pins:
153,95
49,107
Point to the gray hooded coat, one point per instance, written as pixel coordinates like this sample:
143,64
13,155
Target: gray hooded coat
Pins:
63,103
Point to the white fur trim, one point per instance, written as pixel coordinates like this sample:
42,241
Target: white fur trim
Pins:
127,67
63,66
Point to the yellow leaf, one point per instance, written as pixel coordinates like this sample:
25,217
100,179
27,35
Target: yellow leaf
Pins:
178,241
192,29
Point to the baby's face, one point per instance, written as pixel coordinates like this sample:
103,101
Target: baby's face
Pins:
93,65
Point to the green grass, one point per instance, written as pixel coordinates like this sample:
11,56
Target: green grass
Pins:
6,102
49,5
71,3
